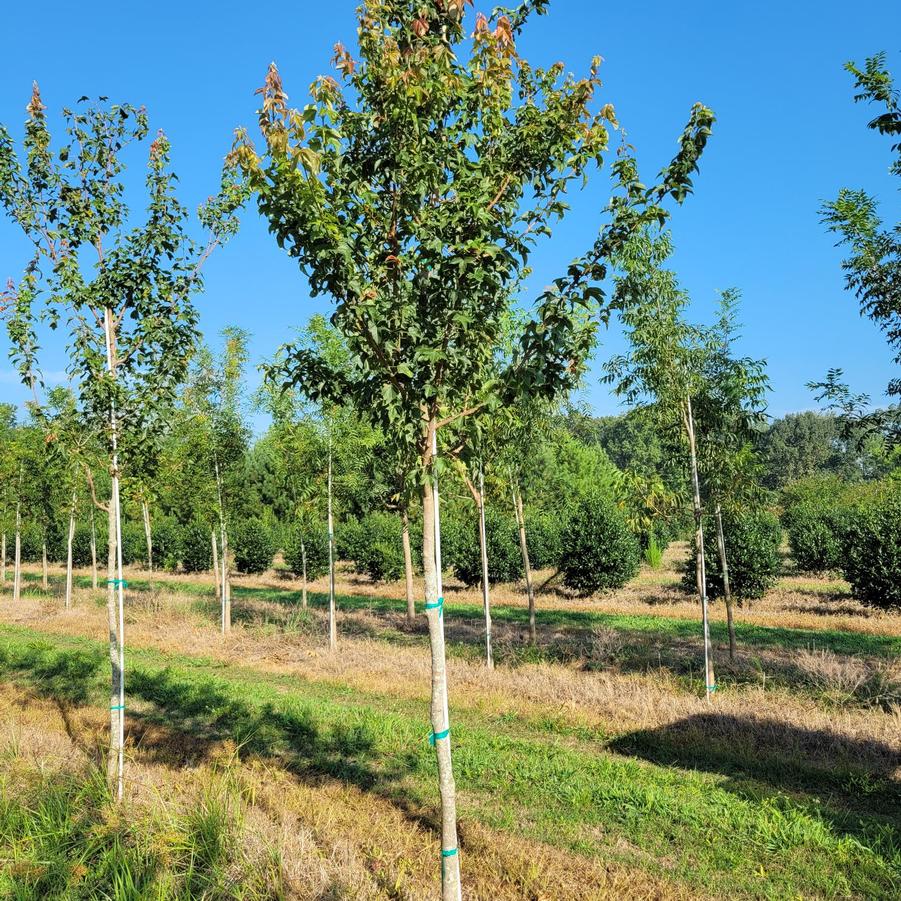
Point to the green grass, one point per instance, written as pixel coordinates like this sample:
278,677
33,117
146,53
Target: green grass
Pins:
633,626
729,827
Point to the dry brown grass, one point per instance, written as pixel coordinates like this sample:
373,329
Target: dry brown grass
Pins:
588,692
324,839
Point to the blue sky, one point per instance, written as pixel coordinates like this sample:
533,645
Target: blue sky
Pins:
788,136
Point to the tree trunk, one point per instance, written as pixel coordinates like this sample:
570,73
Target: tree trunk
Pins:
408,569
303,565
215,549
44,582
148,535
440,719
483,549
3,560
727,588
115,591
225,591
332,625
69,552
93,551
226,586
701,571
17,559
526,565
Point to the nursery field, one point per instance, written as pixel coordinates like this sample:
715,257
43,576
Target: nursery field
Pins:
588,765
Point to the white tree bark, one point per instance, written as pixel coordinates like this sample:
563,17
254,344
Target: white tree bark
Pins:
483,549
148,534
526,565
701,570
93,551
431,553
3,560
727,587
116,592
71,538
17,559
303,565
44,580
216,578
332,624
225,598
408,568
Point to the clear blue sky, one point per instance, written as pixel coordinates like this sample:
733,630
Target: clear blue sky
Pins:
788,136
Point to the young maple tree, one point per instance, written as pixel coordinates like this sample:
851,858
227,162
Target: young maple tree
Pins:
413,193
122,290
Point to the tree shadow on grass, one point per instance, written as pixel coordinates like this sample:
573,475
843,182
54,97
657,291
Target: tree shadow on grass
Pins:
182,719
849,777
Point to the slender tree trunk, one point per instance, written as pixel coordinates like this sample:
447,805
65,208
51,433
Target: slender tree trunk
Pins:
215,549
526,565
17,559
408,568
3,560
701,571
148,535
483,549
332,625
225,591
115,592
303,565
440,739
93,551
69,552
727,588
226,586
44,582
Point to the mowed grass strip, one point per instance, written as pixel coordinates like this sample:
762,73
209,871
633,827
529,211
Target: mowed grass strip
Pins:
846,643
727,836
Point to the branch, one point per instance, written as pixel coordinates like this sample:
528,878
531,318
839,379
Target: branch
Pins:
463,413
90,477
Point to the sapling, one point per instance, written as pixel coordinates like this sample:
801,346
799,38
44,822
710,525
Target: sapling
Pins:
413,196
122,290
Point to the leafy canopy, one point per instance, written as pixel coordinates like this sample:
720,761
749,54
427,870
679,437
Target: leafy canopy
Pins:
413,189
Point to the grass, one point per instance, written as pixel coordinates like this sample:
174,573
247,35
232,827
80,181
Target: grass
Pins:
632,626
703,804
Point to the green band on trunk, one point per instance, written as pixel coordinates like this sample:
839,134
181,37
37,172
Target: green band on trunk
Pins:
118,707
117,582
450,853
438,605
438,736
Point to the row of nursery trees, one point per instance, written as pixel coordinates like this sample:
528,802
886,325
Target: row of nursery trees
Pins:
412,190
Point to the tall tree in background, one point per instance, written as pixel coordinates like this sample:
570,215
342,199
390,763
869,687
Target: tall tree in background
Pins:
122,290
663,368
214,405
414,195
873,268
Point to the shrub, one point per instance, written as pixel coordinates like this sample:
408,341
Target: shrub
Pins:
872,550
81,545
310,535
504,556
253,546
31,540
544,539
167,542
196,547
380,554
599,551
349,539
815,532
752,541
134,543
